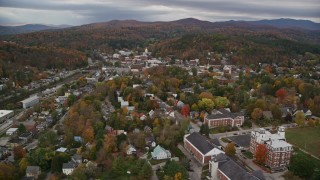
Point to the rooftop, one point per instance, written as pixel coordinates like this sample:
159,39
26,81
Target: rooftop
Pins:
29,99
68,165
33,169
223,113
200,142
234,171
278,143
4,113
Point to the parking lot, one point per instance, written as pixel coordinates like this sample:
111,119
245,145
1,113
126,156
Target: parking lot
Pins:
241,140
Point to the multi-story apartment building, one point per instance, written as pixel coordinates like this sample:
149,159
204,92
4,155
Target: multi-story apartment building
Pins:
278,150
224,117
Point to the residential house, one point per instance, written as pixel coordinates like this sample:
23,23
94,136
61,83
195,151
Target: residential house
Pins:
224,117
78,139
15,142
147,129
278,150
26,137
61,149
77,159
33,171
222,167
131,150
136,130
68,168
160,153
200,147
150,141
306,112
124,104
4,151
285,111
41,127
11,131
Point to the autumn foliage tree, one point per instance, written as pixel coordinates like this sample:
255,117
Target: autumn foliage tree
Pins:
185,110
230,149
299,119
281,94
261,154
19,152
110,143
256,114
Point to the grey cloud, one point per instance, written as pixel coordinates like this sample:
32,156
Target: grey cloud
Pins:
150,10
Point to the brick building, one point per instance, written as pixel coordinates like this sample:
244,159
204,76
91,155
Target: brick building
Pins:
278,150
223,167
200,147
224,117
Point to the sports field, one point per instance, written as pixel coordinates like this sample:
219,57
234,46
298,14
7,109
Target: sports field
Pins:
307,138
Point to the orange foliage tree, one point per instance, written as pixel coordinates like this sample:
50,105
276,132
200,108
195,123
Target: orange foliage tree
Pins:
281,94
261,153
185,110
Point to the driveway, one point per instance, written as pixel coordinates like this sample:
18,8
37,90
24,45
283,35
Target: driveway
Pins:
194,164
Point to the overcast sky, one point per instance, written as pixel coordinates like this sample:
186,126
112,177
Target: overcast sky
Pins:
76,12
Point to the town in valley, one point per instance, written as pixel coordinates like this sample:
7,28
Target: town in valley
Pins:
184,99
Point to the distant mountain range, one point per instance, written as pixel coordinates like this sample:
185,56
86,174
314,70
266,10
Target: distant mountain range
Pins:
289,23
28,28
278,23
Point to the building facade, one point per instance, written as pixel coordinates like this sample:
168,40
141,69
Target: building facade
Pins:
5,115
29,102
160,153
278,150
200,147
222,167
224,117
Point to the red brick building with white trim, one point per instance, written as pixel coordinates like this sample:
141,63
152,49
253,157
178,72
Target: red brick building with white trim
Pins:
224,117
278,150
200,147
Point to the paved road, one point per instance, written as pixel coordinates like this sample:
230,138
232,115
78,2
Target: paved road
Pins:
195,127
194,164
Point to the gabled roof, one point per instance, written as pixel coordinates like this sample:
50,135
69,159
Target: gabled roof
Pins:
68,165
200,142
159,150
223,113
33,169
215,142
234,171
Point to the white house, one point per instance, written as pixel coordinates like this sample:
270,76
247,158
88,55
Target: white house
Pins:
131,150
124,104
160,153
11,131
68,168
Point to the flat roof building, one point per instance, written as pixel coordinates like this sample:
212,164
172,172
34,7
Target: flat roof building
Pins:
5,115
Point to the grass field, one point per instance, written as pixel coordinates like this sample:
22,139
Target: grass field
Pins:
307,138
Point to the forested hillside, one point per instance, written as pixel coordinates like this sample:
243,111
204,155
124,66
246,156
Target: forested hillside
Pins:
14,57
185,39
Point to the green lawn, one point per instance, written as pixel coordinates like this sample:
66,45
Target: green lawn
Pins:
306,137
225,140
248,154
